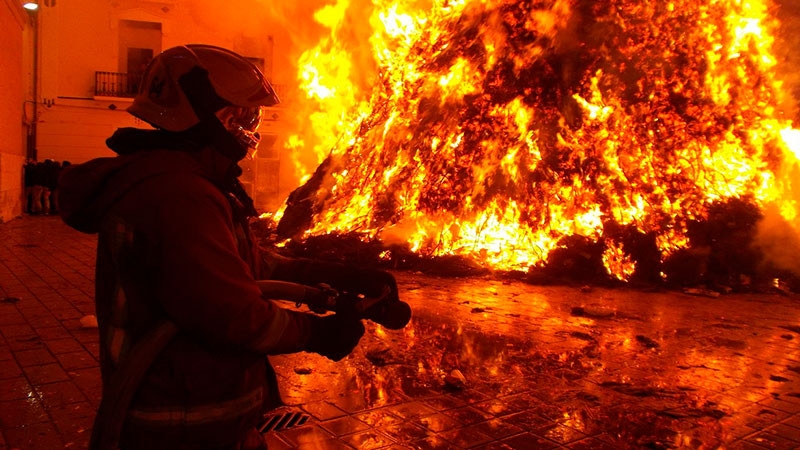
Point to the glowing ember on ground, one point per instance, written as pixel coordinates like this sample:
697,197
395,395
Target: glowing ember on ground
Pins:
496,129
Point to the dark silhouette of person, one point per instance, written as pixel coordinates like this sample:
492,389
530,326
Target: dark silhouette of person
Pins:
184,330
29,177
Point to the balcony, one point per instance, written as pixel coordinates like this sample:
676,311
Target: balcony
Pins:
116,84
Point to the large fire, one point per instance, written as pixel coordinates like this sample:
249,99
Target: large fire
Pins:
496,129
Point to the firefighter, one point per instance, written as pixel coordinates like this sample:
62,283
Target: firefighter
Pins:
183,328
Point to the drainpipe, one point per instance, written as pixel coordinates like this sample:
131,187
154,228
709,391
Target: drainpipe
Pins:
31,151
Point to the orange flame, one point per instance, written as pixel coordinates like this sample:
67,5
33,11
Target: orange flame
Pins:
496,128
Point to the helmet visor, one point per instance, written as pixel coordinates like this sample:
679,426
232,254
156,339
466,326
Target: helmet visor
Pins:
243,123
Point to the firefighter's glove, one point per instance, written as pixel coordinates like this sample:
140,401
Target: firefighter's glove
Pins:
335,336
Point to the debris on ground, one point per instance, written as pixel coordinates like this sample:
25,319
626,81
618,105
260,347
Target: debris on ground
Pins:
592,312
701,292
455,380
89,321
379,356
583,336
646,341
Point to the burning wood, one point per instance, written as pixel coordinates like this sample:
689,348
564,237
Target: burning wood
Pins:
565,139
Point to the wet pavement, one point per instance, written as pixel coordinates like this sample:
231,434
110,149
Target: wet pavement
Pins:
485,363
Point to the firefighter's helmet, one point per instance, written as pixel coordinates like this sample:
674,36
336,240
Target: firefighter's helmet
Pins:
185,85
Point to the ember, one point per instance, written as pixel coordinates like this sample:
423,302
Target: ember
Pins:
621,140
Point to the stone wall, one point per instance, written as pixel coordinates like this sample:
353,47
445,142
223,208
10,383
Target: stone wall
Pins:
12,150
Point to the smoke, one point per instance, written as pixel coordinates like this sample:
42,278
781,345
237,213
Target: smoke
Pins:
778,233
779,241
778,238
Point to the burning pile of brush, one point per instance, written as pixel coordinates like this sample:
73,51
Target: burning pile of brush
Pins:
566,140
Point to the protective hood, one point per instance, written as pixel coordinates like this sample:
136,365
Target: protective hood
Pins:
88,191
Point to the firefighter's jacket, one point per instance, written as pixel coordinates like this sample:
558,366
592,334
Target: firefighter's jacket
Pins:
171,246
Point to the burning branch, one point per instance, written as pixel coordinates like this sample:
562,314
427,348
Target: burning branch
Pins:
509,131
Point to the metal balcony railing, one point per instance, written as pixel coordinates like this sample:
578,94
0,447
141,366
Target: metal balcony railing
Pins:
116,84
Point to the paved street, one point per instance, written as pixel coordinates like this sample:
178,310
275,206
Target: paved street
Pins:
485,363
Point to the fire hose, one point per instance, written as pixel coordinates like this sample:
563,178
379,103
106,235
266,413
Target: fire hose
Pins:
384,309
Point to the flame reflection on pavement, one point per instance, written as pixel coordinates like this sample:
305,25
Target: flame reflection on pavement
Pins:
656,369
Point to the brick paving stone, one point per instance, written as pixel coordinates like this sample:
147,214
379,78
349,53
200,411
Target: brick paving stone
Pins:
274,442
42,319
74,423
436,422
66,313
93,348
495,407
47,373
34,357
88,380
53,333
16,331
77,360
37,436
9,368
367,440
443,403
498,428
593,443
561,434
528,441
21,343
323,410
771,440
344,425
528,420
519,402
306,435
793,421
411,410
760,416
735,428
63,345
60,394
378,417
74,327
470,396
22,412
404,432
15,389
467,415
433,443
11,316
466,437
351,403
781,405
786,431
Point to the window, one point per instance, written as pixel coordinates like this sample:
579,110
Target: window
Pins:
138,43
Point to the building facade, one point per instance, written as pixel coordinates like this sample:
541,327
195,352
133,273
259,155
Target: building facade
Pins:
83,65
14,27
